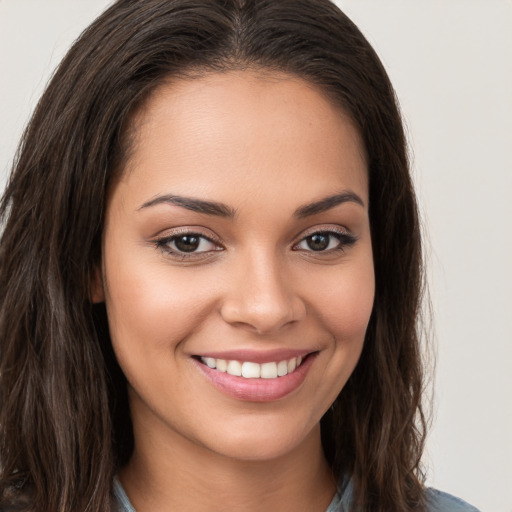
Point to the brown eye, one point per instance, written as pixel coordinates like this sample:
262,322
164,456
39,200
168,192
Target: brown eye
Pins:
325,241
321,241
318,241
187,243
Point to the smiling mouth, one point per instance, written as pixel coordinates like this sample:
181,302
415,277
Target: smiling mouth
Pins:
251,370
240,378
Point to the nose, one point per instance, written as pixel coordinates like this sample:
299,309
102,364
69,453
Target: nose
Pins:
261,298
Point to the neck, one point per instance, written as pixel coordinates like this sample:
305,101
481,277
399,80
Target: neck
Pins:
179,474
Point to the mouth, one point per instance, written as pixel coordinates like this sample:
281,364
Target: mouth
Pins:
252,370
252,381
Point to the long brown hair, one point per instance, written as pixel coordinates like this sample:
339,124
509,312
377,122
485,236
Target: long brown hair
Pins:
64,419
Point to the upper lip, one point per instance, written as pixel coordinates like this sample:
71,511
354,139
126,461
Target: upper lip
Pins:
257,356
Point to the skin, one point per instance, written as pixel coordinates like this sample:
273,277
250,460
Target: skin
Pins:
264,146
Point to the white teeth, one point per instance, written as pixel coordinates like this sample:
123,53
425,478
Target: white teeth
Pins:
268,370
234,368
221,365
282,368
250,370
210,361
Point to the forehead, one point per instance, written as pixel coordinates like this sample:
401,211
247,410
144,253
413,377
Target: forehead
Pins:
244,128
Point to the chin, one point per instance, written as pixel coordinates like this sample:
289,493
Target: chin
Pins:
259,442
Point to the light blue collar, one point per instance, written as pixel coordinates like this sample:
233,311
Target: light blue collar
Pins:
340,502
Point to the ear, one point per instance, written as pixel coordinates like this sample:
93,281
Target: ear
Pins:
97,290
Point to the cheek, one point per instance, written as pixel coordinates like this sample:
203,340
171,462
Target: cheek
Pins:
151,304
346,303
341,306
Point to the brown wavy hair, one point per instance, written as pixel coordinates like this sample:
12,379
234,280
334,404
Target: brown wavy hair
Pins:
64,419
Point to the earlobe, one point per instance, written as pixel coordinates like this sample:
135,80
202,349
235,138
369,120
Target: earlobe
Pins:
97,291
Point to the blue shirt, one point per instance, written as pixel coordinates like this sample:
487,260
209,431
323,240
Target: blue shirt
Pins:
437,501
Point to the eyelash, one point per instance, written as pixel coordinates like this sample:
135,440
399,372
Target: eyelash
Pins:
344,239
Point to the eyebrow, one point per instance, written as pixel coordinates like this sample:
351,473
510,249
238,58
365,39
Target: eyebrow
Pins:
222,210
195,205
327,203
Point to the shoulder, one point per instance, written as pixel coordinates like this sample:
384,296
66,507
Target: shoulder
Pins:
438,501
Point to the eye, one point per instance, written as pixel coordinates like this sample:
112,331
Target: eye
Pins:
187,244
325,241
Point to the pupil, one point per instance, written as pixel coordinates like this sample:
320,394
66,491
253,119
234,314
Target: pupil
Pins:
187,243
318,241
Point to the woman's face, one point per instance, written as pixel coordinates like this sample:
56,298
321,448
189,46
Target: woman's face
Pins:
238,240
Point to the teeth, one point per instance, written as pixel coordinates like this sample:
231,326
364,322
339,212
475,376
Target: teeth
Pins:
269,371
282,368
221,365
250,370
235,368
210,361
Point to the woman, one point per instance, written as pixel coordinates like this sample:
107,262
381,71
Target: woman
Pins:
211,271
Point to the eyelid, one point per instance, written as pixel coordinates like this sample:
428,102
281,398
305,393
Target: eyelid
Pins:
188,230
324,228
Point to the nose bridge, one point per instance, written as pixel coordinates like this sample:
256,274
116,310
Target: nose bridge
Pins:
260,296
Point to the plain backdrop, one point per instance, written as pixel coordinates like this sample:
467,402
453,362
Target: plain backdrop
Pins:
451,64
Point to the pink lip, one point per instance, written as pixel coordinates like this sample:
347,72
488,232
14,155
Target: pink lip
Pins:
257,356
257,390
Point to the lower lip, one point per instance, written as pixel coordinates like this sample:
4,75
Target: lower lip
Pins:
257,390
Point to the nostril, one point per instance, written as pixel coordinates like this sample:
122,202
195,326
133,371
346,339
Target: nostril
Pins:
262,314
